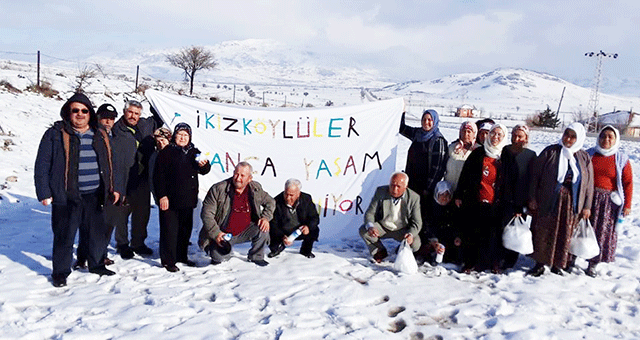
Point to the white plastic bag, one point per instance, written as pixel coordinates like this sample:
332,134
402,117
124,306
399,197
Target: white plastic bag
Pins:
405,262
517,236
584,242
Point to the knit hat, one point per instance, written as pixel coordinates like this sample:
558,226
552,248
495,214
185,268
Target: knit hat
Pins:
107,111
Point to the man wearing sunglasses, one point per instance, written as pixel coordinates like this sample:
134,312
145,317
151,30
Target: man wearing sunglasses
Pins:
133,143
73,173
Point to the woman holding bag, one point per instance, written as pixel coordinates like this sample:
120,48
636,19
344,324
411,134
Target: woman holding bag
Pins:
480,194
517,157
561,192
613,181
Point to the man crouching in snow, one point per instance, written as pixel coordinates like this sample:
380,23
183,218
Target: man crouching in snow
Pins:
236,206
74,172
394,212
295,218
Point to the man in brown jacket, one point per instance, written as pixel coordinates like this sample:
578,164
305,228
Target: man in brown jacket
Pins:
240,207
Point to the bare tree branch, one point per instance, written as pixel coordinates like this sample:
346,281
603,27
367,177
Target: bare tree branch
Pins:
190,60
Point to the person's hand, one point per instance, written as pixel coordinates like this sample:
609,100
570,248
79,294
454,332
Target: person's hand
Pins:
586,213
116,197
47,201
286,242
409,238
263,224
626,212
373,232
458,202
457,241
220,238
517,215
164,203
202,163
304,229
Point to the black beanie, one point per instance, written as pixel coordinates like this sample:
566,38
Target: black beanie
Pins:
107,111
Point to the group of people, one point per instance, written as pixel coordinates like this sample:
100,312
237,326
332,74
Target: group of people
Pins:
99,173
460,197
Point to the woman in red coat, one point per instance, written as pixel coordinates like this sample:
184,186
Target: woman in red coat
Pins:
613,181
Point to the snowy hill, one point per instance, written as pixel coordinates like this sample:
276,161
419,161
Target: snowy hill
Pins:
508,92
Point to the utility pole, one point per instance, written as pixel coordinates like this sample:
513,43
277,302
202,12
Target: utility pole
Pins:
234,93
137,71
593,99
560,103
38,78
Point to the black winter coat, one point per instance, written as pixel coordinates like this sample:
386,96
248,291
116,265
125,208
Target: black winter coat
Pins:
471,175
176,176
307,215
56,167
426,161
133,148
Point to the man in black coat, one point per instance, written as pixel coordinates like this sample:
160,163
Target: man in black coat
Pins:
294,210
73,172
133,141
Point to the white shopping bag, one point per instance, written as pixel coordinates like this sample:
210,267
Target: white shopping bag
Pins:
405,262
517,236
584,242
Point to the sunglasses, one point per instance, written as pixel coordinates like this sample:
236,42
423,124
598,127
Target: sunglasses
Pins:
76,110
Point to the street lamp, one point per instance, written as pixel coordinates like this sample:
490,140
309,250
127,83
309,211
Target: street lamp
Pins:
593,99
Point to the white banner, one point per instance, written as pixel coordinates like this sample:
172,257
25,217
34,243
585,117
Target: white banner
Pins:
340,154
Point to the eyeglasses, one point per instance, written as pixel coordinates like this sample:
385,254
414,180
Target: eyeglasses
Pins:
76,110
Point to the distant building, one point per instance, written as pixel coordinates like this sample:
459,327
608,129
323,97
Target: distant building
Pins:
626,121
465,111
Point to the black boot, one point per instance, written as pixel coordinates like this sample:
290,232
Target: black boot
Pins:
537,270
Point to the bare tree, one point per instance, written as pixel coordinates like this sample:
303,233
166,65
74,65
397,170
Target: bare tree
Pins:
84,78
190,60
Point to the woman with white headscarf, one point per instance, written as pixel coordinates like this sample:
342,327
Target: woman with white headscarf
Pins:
561,193
479,194
613,182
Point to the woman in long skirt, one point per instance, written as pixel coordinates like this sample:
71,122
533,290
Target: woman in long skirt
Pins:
561,193
613,181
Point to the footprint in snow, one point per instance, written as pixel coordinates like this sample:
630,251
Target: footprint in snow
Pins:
397,326
393,312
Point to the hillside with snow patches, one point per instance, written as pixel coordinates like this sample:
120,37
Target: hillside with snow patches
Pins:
338,295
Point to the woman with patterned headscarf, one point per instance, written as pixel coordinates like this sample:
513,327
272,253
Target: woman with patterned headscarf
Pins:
613,181
519,158
459,150
561,193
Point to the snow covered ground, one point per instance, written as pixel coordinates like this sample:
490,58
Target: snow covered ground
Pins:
338,295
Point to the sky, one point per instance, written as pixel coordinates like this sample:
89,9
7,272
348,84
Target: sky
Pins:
405,39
